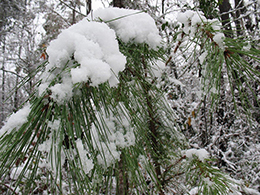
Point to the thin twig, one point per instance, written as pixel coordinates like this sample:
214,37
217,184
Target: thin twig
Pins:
8,187
173,165
72,8
12,72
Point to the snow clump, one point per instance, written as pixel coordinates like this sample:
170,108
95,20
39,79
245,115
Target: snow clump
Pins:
93,45
87,163
218,38
130,25
16,120
190,19
202,154
88,51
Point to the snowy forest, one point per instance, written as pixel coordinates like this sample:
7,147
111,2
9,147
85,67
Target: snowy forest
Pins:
121,97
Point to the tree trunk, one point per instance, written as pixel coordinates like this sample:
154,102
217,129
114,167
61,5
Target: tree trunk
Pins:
3,86
123,180
238,4
88,6
224,8
118,3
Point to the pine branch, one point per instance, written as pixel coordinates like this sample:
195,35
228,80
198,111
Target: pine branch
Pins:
9,71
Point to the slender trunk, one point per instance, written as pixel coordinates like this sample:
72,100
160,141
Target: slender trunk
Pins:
123,181
224,8
73,17
16,99
163,3
3,85
119,3
257,16
204,129
153,124
88,6
238,4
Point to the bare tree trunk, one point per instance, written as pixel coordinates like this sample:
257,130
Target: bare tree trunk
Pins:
224,8
3,85
88,6
16,98
238,4
73,17
122,183
118,3
163,4
123,178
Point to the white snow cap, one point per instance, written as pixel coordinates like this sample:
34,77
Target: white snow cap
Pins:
190,19
202,154
130,25
16,120
219,39
94,46
87,163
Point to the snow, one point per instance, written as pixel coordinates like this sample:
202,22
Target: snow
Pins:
251,191
55,125
176,82
86,162
202,154
194,191
158,68
215,24
191,20
16,120
16,172
247,47
119,134
218,38
130,25
62,91
98,56
202,57
207,181
51,147
94,47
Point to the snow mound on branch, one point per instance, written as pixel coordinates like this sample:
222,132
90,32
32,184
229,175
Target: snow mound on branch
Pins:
218,38
130,25
202,154
190,19
94,46
16,120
